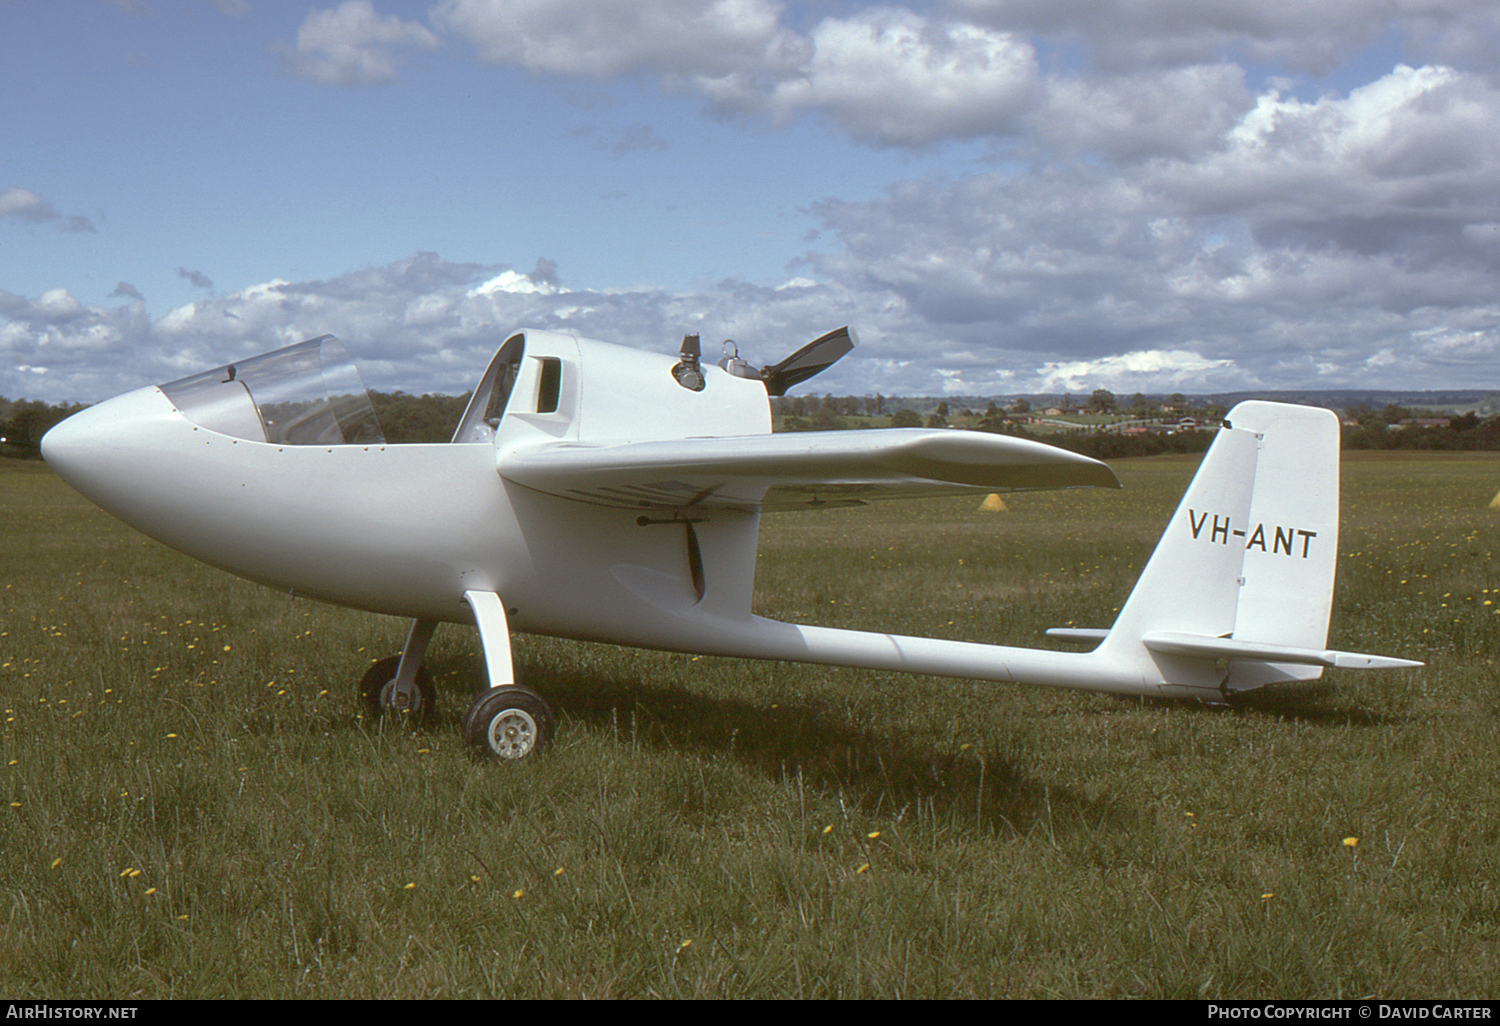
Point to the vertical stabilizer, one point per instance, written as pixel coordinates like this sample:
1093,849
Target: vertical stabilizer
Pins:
1245,567
1192,581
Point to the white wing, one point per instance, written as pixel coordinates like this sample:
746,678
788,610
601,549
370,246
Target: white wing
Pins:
797,470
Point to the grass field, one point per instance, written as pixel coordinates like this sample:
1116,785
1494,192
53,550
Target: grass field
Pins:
190,808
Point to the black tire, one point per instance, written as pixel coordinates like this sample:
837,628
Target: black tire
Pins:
381,674
509,723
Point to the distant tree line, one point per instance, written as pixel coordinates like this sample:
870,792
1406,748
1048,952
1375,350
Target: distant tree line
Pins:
1396,427
23,422
1392,427
432,418
405,419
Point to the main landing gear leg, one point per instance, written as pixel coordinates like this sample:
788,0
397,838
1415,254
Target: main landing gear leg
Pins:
401,683
508,721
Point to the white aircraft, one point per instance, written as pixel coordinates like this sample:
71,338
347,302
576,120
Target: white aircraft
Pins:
604,493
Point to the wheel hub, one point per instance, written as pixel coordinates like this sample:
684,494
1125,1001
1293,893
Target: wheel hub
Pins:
512,733
398,698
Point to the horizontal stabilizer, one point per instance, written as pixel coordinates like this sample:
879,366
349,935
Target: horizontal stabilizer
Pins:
797,470
1204,647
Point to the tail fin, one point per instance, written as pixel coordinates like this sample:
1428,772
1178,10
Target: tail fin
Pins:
1238,592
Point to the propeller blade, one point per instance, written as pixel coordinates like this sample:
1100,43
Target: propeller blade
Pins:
813,358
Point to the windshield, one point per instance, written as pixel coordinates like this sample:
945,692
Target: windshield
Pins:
306,394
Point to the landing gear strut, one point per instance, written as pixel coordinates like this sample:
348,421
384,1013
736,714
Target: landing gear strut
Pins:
507,721
378,693
401,683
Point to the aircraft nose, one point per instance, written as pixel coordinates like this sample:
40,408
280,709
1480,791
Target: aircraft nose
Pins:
107,449
66,447
64,441
76,443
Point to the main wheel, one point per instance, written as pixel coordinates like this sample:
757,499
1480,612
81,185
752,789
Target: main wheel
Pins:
510,722
376,693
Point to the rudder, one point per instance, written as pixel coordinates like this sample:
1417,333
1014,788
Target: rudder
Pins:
1291,550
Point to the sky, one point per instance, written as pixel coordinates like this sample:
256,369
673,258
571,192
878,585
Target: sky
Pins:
1000,196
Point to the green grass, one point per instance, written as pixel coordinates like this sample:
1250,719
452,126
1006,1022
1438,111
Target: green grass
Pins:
189,806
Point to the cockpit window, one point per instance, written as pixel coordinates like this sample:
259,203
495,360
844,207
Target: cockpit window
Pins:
488,402
306,394
505,384
549,385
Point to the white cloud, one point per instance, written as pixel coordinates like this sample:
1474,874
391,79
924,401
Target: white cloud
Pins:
894,77
1161,77
1180,112
58,306
1152,370
352,45
888,75
513,281
23,205
426,324
605,38
178,319
1162,82
1459,32
1405,163
1306,236
1125,35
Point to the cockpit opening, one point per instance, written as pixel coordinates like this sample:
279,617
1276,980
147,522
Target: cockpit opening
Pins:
488,403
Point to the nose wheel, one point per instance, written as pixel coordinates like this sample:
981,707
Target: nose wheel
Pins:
508,723
379,692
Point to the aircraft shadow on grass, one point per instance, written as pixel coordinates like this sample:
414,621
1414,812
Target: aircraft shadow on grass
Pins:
870,769
983,787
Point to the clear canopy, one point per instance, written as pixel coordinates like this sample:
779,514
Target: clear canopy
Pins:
306,394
